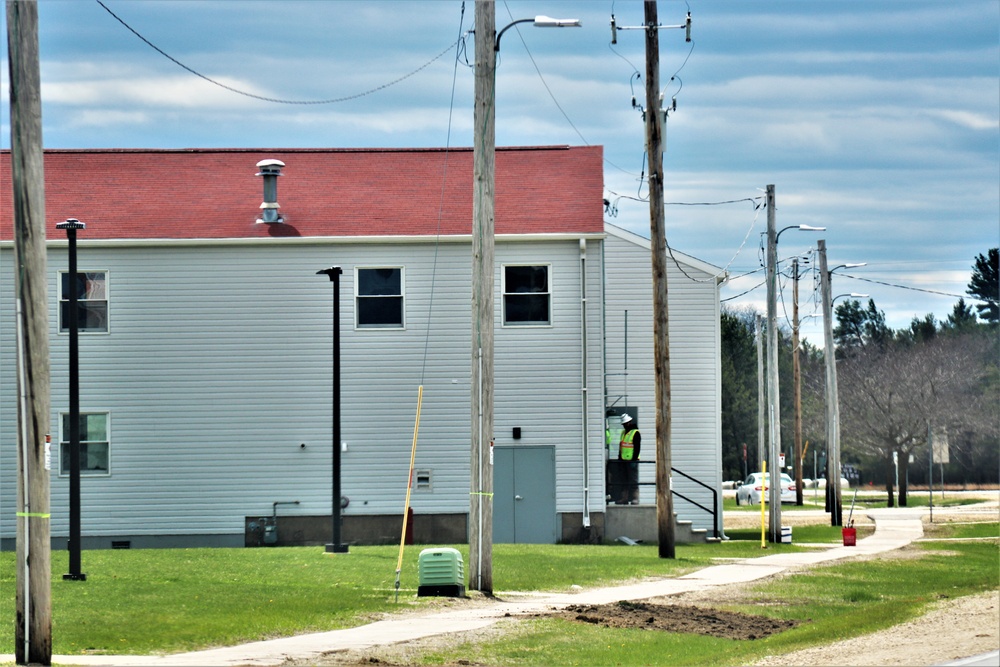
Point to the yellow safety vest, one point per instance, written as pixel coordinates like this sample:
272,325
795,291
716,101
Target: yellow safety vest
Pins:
625,447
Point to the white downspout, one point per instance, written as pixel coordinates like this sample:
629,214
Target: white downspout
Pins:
584,387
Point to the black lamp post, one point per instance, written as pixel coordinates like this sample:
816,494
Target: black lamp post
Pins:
72,323
335,545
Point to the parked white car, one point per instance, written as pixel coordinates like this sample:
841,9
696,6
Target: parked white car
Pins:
748,493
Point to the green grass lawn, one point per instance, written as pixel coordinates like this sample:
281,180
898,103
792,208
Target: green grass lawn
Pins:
171,600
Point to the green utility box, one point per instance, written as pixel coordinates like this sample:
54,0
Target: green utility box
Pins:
441,573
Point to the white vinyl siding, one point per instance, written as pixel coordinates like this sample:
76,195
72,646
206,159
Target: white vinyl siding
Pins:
695,380
218,376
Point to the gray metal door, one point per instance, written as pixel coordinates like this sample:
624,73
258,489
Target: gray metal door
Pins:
524,495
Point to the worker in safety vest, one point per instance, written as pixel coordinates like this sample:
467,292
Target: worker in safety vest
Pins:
628,452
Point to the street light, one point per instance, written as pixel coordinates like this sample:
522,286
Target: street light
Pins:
853,295
73,324
481,396
538,22
801,228
774,490
834,504
335,545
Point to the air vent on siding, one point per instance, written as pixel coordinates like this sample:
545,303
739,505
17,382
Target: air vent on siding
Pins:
270,170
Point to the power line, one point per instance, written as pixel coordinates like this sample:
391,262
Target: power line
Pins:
907,287
262,97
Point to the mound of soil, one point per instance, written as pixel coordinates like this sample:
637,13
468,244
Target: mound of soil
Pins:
676,618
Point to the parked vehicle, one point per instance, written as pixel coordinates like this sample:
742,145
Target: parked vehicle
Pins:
749,492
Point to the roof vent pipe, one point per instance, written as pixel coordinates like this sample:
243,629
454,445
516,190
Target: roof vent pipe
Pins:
270,170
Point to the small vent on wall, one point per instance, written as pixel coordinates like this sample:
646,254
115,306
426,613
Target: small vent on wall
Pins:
121,544
423,480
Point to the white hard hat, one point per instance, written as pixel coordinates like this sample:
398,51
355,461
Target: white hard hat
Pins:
626,418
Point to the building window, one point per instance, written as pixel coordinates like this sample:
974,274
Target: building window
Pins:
95,445
526,295
92,301
379,298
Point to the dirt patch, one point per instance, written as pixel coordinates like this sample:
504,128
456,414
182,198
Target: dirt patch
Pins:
676,618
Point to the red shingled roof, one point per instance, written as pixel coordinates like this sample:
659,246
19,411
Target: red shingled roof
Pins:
214,193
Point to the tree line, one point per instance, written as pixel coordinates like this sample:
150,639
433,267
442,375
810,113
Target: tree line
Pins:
899,391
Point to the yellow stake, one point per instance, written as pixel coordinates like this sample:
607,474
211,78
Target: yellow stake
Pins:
409,486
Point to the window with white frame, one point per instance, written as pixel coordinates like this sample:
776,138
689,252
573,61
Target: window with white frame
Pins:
527,295
95,444
378,297
91,301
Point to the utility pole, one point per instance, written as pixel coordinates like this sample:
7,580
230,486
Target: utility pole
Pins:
658,238
832,400
797,381
33,628
484,158
773,407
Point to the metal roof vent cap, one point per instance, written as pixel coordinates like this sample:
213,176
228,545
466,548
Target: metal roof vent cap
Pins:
270,170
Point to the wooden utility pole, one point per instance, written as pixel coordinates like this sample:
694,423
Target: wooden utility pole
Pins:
33,627
484,159
773,406
658,239
797,382
832,400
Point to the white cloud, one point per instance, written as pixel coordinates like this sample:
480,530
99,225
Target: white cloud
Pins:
966,119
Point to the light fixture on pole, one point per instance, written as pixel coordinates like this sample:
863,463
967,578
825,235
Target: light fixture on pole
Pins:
538,22
335,545
773,413
481,398
853,295
71,287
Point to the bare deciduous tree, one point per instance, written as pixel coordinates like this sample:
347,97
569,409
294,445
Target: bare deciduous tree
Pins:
892,396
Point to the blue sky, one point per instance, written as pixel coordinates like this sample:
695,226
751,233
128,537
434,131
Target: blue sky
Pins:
877,120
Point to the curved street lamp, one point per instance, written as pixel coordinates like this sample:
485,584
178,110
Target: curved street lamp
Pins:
539,22
480,571
853,295
774,419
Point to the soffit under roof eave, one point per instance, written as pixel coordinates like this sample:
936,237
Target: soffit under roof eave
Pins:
317,240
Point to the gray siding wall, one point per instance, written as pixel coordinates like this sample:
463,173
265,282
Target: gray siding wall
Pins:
695,377
218,365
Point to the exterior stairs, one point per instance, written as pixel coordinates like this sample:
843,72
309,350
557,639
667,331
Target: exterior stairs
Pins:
634,524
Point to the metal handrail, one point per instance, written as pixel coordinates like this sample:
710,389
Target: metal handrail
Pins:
715,500
715,497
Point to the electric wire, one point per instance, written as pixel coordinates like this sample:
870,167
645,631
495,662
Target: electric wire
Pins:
725,269
914,289
264,98
545,85
430,302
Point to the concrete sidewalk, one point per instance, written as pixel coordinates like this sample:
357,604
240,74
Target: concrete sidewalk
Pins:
894,528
